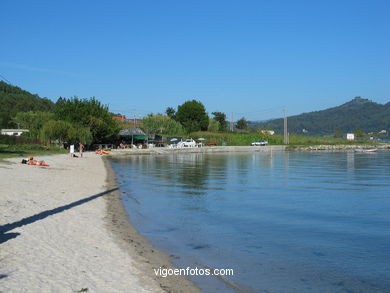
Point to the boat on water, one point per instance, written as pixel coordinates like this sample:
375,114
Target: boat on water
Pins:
373,150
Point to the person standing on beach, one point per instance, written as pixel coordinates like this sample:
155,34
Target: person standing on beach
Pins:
81,149
71,150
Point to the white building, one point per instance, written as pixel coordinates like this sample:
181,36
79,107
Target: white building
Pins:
13,132
350,136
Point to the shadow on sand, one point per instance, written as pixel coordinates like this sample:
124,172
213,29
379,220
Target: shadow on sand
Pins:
4,236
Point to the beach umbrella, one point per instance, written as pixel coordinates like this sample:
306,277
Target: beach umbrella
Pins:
136,133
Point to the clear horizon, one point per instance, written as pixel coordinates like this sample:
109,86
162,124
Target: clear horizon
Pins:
250,57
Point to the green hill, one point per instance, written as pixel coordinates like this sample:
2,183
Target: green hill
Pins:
357,113
13,100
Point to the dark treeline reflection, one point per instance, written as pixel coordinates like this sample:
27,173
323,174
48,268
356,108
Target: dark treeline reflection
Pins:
189,172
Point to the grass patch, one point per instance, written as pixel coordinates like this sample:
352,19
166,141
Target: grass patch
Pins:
24,150
245,139
303,140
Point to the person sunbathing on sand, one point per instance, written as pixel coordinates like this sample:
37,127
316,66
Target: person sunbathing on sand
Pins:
31,161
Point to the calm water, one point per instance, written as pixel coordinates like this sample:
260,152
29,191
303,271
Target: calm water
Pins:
285,222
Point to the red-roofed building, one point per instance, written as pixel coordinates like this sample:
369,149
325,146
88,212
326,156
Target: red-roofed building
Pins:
120,118
134,121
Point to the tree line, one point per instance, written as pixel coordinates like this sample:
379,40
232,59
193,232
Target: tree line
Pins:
191,116
73,120
88,121
70,120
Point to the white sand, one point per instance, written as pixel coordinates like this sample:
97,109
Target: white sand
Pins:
62,250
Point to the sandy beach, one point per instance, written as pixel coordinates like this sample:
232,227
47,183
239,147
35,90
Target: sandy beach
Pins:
63,229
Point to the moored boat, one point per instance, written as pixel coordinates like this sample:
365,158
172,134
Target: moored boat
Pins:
367,150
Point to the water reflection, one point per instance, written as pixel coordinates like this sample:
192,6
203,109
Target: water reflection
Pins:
351,161
286,222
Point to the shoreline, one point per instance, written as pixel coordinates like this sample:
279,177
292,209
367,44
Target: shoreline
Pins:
62,229
147,256
246,149
338,148
202,150
128,238
181,153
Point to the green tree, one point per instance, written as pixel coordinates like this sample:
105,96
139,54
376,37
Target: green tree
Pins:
33,121
213,125
84,135
171,113
56,130
192,115
242,123
359,133
221,118
88,113
13,100
338,133
162,125
64,131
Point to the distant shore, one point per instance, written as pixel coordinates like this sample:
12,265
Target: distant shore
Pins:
63,229
246,149
341,147
213,149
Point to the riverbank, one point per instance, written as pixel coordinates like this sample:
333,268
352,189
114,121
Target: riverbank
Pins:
63,229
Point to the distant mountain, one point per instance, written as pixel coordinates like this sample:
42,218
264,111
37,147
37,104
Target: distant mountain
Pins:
13,100
357,113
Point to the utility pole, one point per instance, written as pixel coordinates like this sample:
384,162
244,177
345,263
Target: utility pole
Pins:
134,125
285,127
232,122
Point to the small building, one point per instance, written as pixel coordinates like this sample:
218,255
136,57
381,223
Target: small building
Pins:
13,132
136,122
350,136
121,119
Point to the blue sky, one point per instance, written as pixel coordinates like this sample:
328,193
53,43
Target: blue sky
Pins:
248,57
